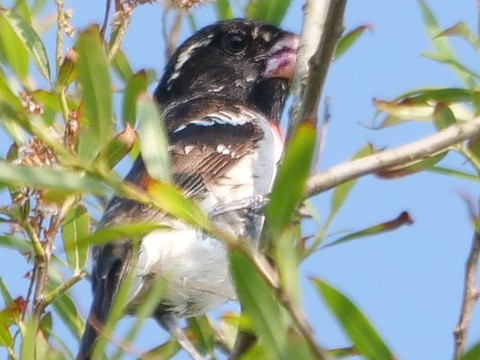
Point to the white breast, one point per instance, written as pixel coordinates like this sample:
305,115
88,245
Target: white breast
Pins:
194,265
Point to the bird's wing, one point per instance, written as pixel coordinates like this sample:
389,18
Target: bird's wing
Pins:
202,149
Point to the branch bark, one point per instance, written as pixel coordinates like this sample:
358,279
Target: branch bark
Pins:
314,73
471,294
415,151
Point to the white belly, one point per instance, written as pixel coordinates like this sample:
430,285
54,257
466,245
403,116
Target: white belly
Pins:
195,266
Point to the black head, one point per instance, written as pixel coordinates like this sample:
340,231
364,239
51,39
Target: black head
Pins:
247,61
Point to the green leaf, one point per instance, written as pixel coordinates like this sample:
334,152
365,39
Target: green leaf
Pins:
136,85
461,29
65,310
349,39
7,298
223,9
340,193
364,337
153,139
30,40
165,351
472,354
289,184
454,64
117,148
94,77
29,337
201,331
112,233
121,66
75,228
68,71
266,10
403,219
16,243
48,178
259,305
443,116
12,52
439,43
412,167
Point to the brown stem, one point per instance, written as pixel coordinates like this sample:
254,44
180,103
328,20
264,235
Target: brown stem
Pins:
471,294
421,149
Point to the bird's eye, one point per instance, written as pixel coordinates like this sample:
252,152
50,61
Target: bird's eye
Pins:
235,43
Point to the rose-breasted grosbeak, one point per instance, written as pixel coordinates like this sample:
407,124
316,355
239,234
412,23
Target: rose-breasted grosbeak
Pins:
221,98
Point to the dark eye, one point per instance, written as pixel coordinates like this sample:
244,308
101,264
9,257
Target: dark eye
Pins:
235,43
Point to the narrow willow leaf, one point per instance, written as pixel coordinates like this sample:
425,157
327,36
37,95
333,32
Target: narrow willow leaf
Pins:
341,192
66,311
29,337
121,66
48,178
223,9
75,228
472,354
117,148
272,12
45,325
396,172
6,339
144,310
30,40
443,116
7,298
153,139
461,29
172,200
12,52
259,305
21,8
130,230
366,340
454,172
135,85
165,351
403,219
68,71
94,77
405,110
289,184
454,64
440,44
350,38
200,330
16,243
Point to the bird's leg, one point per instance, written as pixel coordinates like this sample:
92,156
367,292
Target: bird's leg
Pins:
170,323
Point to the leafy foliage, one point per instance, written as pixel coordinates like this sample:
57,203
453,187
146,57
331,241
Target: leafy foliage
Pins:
67,138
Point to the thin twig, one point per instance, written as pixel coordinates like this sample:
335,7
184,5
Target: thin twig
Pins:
307,108
415,151
471,293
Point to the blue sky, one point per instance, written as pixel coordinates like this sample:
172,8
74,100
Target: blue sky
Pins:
407,282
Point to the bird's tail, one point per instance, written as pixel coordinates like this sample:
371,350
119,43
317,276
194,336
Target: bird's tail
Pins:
99,311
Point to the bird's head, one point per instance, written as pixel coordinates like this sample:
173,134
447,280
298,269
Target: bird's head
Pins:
245,61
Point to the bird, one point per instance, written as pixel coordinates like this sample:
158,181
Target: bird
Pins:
221,98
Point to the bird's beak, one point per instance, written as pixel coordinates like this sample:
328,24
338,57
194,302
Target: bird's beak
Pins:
282,57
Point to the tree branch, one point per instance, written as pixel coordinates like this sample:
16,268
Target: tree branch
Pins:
471,293
314,73
415,151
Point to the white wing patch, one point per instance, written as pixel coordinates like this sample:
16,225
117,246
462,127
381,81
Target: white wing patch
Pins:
221,118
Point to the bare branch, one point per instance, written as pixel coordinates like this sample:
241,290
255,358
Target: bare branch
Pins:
415,151
314,74
471,294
